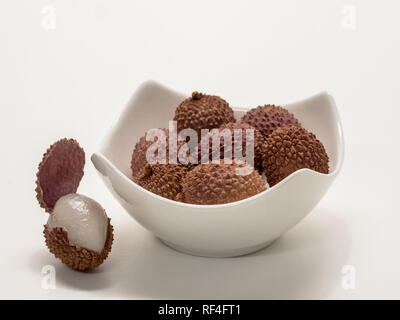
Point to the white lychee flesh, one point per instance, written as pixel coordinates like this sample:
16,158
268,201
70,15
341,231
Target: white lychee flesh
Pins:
84,219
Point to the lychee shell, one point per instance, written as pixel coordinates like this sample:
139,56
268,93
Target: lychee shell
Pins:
139,161
59,172
258,143
268,118
163,179
203,111
76,257
292,148
219,183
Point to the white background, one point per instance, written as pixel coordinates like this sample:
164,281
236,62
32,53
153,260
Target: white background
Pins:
74,79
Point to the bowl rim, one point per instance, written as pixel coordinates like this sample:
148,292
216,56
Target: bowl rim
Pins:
274,188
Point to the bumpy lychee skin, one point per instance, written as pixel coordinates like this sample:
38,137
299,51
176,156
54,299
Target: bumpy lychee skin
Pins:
289,149
139,159
210,184
59,172
268,118
162,179
76,257
257,140
202,111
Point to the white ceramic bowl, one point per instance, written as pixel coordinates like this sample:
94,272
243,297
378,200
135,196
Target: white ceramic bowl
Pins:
222,230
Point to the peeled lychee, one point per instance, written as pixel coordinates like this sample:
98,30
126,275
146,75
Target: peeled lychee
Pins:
79,232
83,218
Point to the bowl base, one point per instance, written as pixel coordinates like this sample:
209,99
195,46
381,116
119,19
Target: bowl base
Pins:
218,253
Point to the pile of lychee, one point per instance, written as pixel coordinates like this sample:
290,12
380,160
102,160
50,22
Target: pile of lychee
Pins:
280,147
78,231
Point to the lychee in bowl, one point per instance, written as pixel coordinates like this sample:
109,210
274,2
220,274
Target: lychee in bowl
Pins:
223,230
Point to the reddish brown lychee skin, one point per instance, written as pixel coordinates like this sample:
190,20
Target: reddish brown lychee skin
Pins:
209,184
289,149
162,179
202,111
257,141
59,172
268,118
76,257
139,160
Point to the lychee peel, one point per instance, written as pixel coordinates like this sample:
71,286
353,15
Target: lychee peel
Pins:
59,172
256,141
76,257
210,184
269,117
289,149
202,111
